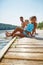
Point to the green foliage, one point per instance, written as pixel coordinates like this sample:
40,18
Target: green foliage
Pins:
7,26
40,25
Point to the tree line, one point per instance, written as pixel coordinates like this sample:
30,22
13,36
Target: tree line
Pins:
40,25
7,26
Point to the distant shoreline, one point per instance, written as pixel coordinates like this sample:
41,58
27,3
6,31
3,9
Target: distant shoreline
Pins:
7,26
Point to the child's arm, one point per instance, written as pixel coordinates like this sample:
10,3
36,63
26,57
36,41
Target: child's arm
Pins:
35,27
32,32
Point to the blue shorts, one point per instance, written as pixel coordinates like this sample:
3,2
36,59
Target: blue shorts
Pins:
25,33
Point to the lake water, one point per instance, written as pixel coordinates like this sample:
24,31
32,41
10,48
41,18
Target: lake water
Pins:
3,39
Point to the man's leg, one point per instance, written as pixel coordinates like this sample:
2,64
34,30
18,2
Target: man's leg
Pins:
20,35
16,30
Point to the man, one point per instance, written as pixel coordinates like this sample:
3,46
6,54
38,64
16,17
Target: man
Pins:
18,29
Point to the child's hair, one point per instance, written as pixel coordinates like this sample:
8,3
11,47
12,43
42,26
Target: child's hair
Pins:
27,20
31,18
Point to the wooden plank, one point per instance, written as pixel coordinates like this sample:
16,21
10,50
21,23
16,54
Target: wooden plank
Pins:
12,48
5,63
29,40
26,46
20,62
29,56
28,43
26,50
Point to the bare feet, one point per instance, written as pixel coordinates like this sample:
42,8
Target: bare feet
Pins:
8,34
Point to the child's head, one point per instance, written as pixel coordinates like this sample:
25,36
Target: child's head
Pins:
21,19
33,19
26,22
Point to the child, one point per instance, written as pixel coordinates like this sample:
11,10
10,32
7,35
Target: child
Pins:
26,22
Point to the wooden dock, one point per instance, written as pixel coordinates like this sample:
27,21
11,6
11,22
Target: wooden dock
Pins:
24,51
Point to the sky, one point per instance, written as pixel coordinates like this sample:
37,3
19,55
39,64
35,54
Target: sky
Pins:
11,10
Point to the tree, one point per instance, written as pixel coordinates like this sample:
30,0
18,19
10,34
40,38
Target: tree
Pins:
40,25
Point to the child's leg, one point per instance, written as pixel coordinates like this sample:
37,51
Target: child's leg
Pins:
16,30
33,32
20,35
29,33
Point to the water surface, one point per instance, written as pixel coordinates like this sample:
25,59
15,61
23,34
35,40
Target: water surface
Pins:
3,39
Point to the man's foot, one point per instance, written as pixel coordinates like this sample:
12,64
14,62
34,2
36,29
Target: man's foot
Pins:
8,34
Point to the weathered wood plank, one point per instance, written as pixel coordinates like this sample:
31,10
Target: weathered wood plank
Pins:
27,50
26,46
20,62
29,40
28,43
32,56
5,64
